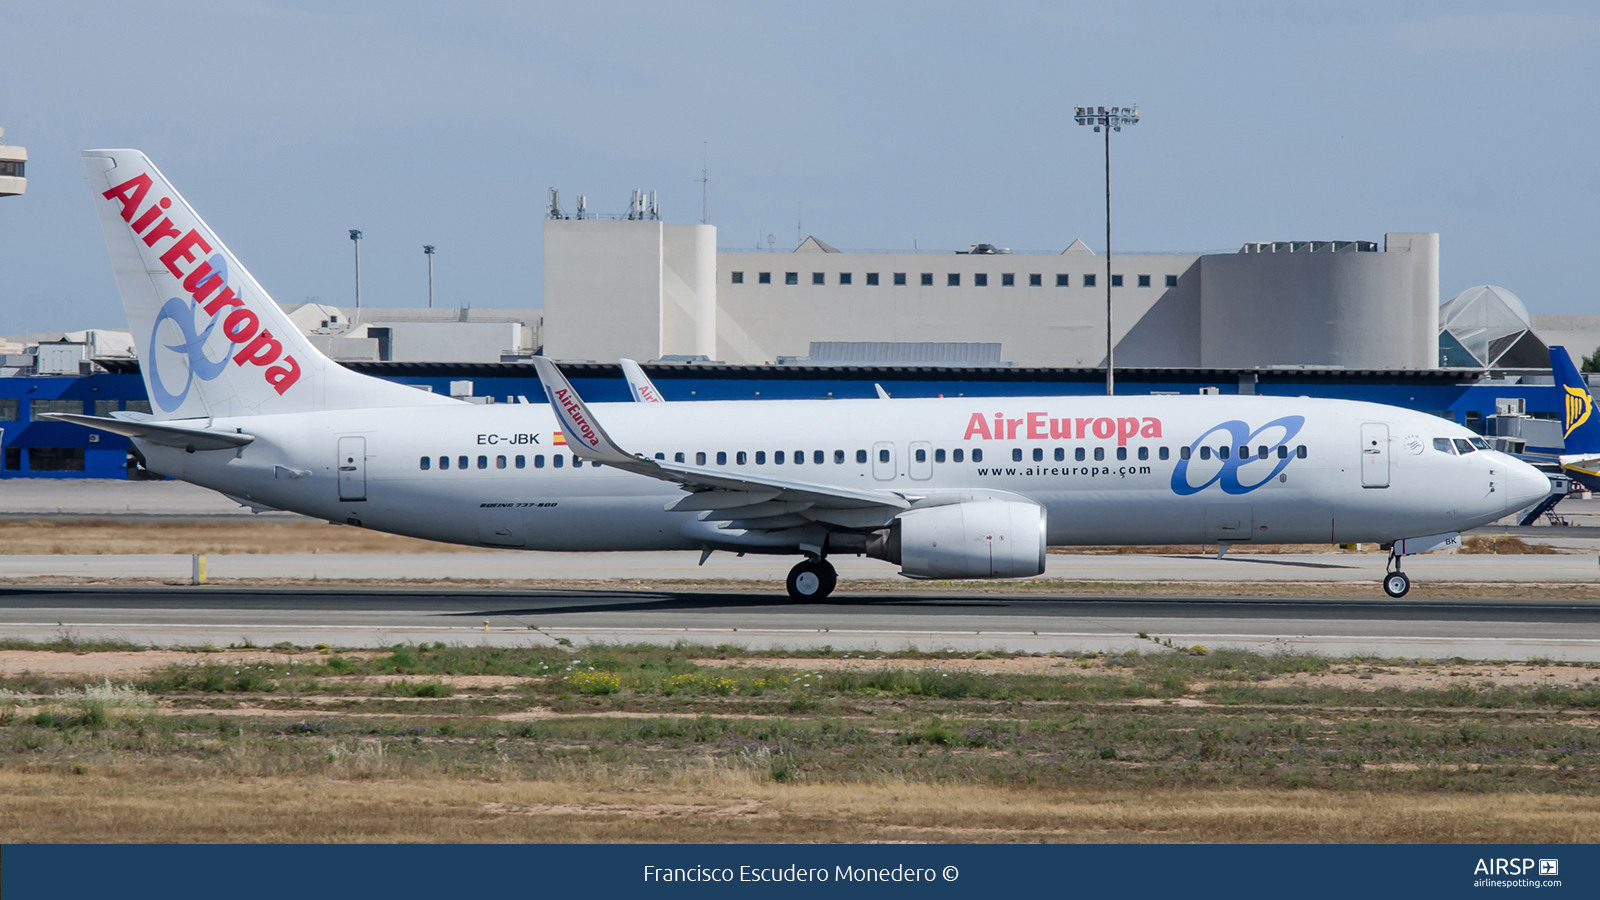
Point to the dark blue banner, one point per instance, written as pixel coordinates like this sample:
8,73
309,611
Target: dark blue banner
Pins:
675,870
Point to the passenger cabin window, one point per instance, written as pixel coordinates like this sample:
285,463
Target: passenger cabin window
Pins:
700,458
761,457
499,462
461,462
922,455
1061,454
1079,454
777,458
677,457
1222,453
957,454
1122,453
1144,452
741,457
1283,451
938,456
818,457
1300,451
1099,453
1463,446
722,457
538,461
1205,453
1162,453
1183,452
1016,454
522,462
977,454
1038,454
557,460
883,455
427,463
838,457
861,457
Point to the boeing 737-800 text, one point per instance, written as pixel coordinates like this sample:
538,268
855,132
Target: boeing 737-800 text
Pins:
944,488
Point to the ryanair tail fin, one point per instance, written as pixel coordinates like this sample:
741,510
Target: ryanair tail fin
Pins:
1581,426
211,342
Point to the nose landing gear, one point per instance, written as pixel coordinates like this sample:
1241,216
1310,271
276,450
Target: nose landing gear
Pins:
1396,584
812,579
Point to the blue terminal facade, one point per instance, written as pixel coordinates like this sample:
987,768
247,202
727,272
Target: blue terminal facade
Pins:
40,448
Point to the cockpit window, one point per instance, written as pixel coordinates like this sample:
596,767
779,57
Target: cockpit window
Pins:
1463,446
1480,443
1443,446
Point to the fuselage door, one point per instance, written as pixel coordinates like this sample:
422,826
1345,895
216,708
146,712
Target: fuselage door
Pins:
920,466
1374,455
883,461
352,468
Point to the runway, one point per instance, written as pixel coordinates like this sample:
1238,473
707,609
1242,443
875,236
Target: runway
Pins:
192,616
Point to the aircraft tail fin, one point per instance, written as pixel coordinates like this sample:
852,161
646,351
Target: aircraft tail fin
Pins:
211,342
639,384
1581,426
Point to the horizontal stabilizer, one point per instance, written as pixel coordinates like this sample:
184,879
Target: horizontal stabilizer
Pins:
167,434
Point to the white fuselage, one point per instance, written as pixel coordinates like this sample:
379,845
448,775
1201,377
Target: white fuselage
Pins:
1366,472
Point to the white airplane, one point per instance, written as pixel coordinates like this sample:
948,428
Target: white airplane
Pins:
639,384
944,488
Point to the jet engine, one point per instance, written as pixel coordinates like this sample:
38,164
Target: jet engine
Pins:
978,539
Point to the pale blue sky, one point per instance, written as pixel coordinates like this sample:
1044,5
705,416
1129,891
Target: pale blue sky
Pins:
941,124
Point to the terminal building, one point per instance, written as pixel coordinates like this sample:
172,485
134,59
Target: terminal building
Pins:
1349,319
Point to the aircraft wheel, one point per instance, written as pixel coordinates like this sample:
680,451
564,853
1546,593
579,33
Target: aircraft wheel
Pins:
1396,584
811,580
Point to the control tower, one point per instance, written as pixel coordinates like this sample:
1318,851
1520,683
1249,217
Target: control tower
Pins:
13,162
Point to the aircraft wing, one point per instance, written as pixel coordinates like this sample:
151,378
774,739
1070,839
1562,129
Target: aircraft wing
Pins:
740,499
168,433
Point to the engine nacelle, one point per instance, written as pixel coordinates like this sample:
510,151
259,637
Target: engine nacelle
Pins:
979,539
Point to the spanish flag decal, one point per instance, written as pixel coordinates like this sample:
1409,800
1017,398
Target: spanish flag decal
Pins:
559,439
1579,406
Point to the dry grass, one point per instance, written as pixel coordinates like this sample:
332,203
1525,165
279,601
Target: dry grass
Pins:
1505,546
100,536
119,805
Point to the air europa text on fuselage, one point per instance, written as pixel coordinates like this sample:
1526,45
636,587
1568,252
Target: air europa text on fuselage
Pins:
242,325
1038,426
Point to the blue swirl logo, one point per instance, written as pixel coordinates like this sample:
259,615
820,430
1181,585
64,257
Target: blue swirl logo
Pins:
197,364
1229,473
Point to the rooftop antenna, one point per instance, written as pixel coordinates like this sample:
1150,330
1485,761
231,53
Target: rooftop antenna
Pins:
772,242
583,204
555,205
799,216
655,211
703,179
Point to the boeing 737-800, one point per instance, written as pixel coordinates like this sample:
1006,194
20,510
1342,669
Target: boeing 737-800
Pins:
944,488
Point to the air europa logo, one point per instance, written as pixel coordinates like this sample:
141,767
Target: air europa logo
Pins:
1230,474
1579,406
1038,426
210,294
563,399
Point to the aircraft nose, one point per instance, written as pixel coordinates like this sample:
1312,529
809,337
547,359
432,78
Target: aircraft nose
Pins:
1525,486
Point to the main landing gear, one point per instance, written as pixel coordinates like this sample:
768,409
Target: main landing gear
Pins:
1395,582
812,579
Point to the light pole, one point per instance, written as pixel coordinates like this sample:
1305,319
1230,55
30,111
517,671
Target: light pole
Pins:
428,249
1108,120
355,238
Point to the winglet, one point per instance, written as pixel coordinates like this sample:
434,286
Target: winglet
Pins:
639,384
882,394
585,437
